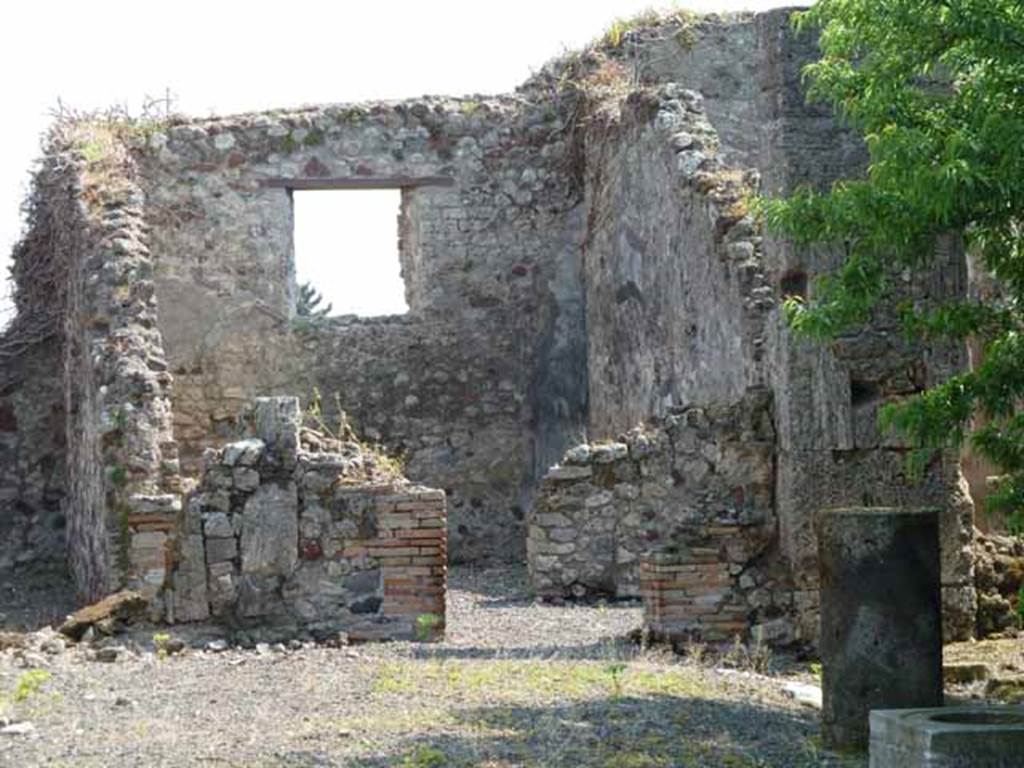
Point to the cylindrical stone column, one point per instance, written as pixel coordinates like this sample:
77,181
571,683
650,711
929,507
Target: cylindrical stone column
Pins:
881,623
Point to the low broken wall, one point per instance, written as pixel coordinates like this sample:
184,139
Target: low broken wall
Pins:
608,504
284,539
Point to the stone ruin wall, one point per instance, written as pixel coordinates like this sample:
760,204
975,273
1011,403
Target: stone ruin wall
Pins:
699,477
32,456
662,183
564,278
830,452
32,421
479,386
94,372
667,171
677,301
124,477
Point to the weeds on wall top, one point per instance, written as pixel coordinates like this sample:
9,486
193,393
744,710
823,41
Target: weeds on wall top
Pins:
388,467
617,31
103,140
682,20
589,84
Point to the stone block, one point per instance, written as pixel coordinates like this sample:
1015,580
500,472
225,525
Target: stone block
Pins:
218,526
149,540
155,504
568,473
216,570
551,520
881,630
221,550
960,673
959,612
190,594
258,595
606,453
245,478
364,582
563,534
277,421
270,530
216,501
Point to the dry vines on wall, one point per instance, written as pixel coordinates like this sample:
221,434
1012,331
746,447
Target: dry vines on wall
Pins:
40,263
84,153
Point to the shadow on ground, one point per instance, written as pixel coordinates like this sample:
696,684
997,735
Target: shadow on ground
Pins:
618,732
34,597
509,587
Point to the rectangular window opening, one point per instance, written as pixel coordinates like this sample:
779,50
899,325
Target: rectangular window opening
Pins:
347,253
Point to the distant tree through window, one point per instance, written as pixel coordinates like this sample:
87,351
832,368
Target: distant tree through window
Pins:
309,302
346,253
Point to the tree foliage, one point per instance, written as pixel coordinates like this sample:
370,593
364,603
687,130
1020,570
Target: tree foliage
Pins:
937,89
308,301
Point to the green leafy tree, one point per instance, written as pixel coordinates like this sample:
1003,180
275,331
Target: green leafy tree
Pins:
937,89
308,301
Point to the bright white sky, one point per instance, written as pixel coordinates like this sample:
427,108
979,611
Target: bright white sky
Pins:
218,56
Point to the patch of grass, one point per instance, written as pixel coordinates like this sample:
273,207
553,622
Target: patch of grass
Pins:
160,641
427,625
399,720
425,757
388,467
616,32
30,683
28,696
635,760
695,651
615,672
120,418
354,114
548,680
94,151
755,657
816,670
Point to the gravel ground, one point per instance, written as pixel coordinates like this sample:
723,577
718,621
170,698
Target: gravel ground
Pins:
516,683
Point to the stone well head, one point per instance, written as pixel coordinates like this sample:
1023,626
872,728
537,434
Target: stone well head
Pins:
951,737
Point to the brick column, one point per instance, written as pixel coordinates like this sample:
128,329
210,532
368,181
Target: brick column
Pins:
412,547
689,594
